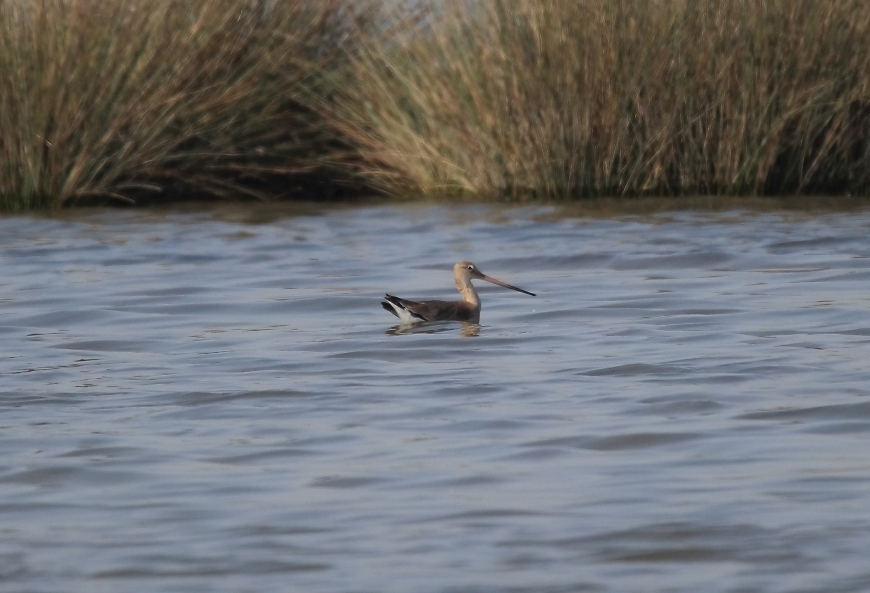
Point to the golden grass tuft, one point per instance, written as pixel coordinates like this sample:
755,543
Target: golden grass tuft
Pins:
164,99
571,98
114,99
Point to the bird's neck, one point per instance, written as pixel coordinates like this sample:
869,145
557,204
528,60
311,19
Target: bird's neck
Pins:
469,295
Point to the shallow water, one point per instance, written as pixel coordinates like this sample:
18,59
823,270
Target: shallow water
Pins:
195,402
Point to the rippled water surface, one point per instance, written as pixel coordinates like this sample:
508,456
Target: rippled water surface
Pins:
196,402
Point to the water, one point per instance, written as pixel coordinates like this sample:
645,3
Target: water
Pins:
199,402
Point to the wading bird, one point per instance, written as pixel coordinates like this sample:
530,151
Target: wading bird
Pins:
468,309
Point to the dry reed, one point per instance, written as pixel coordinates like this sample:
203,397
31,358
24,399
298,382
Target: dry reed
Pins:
116,99
569,98
120,99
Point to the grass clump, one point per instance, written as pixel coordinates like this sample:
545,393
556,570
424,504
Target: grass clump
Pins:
160,99
121,99
600,97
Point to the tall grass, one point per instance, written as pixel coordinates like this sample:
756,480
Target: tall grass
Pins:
570,98
121,99
116,99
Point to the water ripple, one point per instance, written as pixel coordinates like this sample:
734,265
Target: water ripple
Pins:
215,401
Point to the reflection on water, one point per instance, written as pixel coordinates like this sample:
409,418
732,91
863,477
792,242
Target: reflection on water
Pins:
466,330
216,401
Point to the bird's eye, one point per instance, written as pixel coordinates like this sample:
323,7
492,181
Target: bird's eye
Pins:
470,267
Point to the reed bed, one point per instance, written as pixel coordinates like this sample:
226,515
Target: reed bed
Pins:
122,99
572,98
160,99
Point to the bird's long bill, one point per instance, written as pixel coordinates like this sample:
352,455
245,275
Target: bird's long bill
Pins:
505,284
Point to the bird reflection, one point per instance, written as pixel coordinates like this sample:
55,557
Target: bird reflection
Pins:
466,330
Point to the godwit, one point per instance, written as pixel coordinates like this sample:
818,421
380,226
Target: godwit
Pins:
468,309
